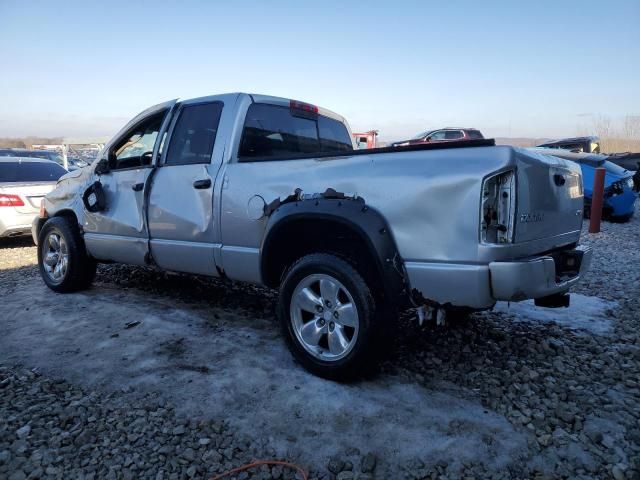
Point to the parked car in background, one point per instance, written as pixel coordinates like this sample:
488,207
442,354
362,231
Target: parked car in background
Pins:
627,160
589,144
262,189
24,153
442,135
23,184
619,193
73,163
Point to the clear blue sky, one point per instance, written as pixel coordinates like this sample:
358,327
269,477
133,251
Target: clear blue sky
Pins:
511,68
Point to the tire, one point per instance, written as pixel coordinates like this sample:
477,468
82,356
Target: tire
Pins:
320,345
73,269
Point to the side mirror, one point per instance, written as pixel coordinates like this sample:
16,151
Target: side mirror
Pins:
428,139
102,167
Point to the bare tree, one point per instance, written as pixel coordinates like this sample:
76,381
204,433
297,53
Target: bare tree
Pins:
631,127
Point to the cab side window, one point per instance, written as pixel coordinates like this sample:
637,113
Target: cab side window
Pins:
135,149
453,135
194,134
440,135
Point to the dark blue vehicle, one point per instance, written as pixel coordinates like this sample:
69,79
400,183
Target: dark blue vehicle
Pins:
619,194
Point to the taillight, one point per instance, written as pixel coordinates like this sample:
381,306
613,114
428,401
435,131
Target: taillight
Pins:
498,211
7,200
43,211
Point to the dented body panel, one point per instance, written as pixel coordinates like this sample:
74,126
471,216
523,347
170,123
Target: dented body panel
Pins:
430,201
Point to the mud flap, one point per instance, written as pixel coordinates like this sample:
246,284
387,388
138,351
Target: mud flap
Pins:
94,199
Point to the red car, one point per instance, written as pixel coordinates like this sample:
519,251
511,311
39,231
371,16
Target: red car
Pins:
442,135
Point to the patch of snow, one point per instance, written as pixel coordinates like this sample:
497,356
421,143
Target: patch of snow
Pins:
584,313
217,363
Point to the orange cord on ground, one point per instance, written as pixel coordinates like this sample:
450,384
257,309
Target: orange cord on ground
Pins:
259,463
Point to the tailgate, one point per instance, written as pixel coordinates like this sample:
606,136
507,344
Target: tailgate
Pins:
31,194
550,197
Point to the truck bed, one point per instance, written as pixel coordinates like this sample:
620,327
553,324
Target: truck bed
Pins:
489,142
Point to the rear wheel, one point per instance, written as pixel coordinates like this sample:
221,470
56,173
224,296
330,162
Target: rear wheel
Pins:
327,314
62,258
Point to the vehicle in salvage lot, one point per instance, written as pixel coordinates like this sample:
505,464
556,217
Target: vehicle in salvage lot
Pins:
449,134
619,192
588,144
23,184
263,189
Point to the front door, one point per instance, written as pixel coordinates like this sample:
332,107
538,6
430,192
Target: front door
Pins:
181,214
119,232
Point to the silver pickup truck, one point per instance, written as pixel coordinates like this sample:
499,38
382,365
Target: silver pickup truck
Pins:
271,191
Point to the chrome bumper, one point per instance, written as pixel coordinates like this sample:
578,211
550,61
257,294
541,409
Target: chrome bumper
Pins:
540,276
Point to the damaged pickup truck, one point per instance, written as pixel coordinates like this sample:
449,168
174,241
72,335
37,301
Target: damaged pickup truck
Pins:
271,191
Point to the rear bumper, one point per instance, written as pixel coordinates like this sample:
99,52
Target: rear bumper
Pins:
480,286
540,276
14,224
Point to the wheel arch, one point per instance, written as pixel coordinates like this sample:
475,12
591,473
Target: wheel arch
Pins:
346,227
40,221
68,213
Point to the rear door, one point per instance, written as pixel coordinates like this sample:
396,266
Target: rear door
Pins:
119,232
270,160
181,201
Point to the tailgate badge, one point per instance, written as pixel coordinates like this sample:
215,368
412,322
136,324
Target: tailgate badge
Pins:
531,217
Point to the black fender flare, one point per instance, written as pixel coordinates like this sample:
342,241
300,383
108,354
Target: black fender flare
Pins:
353,213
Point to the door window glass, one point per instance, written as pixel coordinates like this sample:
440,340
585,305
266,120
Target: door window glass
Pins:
453,134
437,136
194,134
136,148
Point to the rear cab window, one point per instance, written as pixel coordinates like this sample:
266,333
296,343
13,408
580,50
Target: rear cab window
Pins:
274,132
19,172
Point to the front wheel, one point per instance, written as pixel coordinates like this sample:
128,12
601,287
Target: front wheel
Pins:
62,258
327,315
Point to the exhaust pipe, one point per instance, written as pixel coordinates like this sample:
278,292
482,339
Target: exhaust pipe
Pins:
554,301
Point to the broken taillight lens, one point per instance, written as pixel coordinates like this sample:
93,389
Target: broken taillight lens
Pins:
497,215
7,200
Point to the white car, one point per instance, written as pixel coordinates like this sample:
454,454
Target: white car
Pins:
23,184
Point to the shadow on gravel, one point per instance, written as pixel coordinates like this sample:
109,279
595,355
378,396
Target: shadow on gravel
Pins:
16,242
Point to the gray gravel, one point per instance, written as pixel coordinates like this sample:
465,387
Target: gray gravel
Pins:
570,399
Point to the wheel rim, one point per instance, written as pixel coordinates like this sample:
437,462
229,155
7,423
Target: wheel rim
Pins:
324,317
55,257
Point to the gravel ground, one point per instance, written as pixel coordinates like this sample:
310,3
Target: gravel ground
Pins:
485,397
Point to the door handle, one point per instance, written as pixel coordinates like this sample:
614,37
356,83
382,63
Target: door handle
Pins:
136,187
202,184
